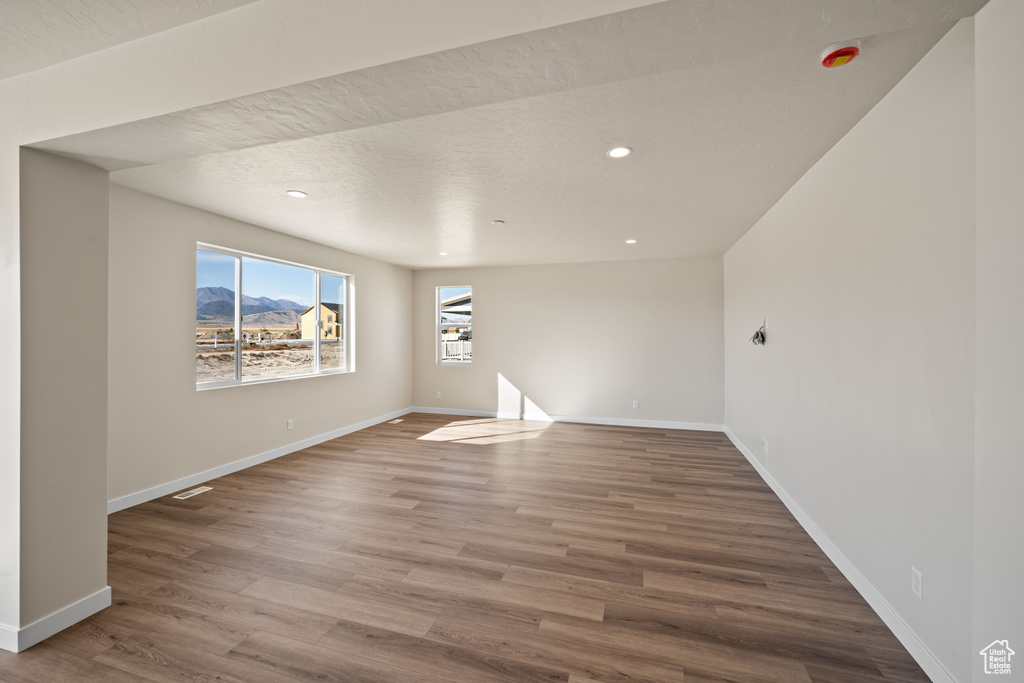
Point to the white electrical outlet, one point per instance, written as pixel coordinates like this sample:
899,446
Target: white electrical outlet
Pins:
636,404
764,444
439,394
291,423
917,583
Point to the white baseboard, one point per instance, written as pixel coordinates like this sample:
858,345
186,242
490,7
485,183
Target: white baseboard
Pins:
917,649
18,640
452,411
155,492
544,417
650,424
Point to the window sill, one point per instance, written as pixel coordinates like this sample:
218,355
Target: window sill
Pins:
207,386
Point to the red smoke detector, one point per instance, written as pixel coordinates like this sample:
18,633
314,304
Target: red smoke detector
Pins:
838,54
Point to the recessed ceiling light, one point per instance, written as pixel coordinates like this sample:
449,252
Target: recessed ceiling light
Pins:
630,241
442,253
619,152
298,194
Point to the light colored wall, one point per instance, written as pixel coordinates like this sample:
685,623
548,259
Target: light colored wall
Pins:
583,340
270,44
260,46
865,387
10,369
999,456
161,428
64,407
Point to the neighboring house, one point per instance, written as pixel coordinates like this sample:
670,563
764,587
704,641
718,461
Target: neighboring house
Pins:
460,303
330,316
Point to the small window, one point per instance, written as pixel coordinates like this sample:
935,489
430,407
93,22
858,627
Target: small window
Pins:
275,329
455,324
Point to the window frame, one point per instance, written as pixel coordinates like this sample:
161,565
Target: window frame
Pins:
346,319
438,336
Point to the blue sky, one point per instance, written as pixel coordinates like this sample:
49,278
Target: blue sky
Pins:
261,278
214,270
447,292
277,281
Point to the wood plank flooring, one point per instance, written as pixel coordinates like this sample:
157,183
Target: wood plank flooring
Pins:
450,549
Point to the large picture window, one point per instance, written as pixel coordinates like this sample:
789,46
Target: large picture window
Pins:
455,324
288,320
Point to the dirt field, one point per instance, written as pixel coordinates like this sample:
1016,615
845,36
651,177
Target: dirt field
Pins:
260,363
224,331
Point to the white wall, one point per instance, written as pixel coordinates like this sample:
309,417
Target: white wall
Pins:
583,340
63,408
254,48
278,42
161,428
10,370
999,456
865,387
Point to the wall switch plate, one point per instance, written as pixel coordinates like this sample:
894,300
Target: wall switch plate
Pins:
636,404
917,583
764,444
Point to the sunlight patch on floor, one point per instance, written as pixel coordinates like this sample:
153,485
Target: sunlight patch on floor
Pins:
488,430
518,418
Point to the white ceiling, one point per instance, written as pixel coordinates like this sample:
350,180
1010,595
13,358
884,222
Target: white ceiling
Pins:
723,101
35,34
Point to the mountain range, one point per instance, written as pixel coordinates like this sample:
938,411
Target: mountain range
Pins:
217,304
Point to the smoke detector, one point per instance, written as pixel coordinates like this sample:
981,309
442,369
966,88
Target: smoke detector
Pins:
838,54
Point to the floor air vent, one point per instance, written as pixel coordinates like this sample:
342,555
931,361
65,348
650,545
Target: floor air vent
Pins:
193,492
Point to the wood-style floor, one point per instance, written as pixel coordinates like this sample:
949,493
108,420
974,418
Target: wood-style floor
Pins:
457,549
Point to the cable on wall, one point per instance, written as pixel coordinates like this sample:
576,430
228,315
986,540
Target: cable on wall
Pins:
758,337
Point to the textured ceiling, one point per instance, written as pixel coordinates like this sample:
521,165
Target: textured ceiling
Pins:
35,34
722,100
667,36
715,146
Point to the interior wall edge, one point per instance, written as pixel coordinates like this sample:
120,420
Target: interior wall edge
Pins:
917,649
230,424
578,419
8,638
19,640
152,493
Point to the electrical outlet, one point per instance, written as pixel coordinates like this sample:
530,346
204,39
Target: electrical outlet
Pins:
764,444
291,423
439,394
917,583
636,404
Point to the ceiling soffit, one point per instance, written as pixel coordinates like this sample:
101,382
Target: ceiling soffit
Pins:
723,100
670,36
35,34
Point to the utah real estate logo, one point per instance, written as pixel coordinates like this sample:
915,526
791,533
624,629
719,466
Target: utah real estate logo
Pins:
997,657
